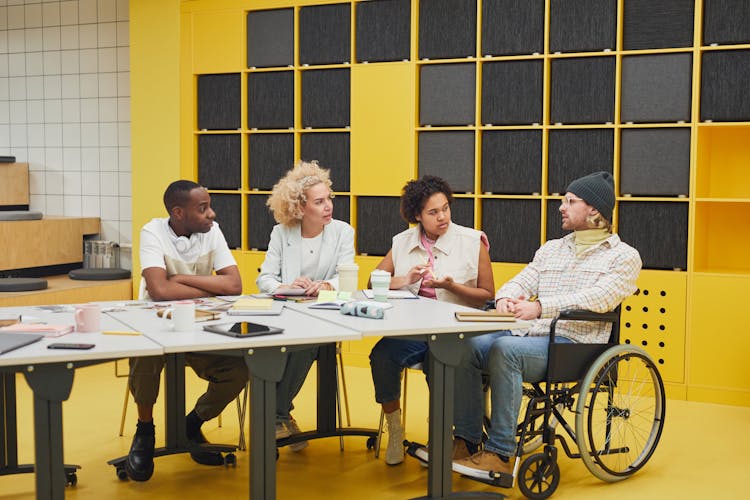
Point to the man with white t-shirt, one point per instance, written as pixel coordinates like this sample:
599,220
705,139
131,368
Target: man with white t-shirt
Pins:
179,256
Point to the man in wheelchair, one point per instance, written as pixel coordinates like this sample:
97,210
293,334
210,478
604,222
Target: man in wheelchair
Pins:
590,269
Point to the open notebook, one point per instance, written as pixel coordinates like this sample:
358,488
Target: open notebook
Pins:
12,341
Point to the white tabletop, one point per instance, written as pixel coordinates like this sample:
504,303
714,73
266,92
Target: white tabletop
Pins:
411,317
298,329
105,346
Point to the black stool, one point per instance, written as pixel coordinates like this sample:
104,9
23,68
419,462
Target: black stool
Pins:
22,284
99,274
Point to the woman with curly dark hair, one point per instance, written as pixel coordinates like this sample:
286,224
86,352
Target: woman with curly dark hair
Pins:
436,259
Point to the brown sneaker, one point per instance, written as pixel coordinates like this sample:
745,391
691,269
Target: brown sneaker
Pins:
460,450
482,465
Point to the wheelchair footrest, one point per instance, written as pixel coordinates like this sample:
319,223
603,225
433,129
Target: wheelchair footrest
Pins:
418,451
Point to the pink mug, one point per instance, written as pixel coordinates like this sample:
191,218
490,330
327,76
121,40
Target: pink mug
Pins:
88,318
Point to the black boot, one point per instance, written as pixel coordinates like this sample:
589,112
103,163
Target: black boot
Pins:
196,438
140,462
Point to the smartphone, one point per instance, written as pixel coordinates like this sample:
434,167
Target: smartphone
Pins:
69,345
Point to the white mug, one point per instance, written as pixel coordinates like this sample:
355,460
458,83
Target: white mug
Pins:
88,318
381,282
183,316
348,277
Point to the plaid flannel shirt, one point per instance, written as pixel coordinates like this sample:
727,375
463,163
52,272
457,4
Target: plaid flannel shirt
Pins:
597,280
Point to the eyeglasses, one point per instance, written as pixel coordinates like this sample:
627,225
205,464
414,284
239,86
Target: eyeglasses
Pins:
567,201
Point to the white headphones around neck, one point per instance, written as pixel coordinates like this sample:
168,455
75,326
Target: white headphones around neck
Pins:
183,244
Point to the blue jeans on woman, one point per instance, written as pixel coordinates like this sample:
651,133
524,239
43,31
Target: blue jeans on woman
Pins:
509,361
387,359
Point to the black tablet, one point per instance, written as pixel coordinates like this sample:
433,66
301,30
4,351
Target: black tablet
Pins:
242,329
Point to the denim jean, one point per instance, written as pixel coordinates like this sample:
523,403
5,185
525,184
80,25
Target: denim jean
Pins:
509,361
298,364
387,359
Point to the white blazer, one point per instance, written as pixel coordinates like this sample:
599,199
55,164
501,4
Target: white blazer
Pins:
284,256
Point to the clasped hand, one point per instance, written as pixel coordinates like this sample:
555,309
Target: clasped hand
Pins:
311,287
520,308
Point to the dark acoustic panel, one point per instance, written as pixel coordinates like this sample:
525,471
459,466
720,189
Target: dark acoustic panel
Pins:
219,102
656,25
657,88
582,25
378,221
655,162
325,98
270,100
583,90
658,230
341,208
512,92
447,94
383,30
219,161
260,222
726,21
325,34
447,28
269,158
270,38
331,149
725,81
512,161
575,153
228,208
511,241
554,221
462,211
449,155
512,27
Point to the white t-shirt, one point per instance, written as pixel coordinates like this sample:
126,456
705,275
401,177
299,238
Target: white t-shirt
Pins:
199,255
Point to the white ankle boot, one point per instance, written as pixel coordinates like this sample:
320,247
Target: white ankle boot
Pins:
394,454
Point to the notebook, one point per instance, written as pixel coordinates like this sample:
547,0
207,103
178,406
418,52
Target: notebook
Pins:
12,341
484,316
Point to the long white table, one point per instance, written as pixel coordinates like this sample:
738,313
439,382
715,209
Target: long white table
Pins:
50,375
265,357
434,322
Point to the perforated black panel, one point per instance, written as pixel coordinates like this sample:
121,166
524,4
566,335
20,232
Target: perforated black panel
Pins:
725,81
228,208
658,230
512,161
583,90
383,30
270,100
259,222
462,211
575,153
657,88
655,162
219,102
449,155
341,208
270,156
726,21
512,92
447,28
655,25
554,221
219,161
447,94
331,149
378,221
270,38
512,27
325,98
509,240
582,25
324,34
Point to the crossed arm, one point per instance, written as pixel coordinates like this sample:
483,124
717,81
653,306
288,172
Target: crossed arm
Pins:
226,281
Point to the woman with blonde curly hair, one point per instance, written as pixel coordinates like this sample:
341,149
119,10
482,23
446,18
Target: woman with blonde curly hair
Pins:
306,246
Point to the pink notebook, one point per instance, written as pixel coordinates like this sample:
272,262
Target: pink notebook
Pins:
49,331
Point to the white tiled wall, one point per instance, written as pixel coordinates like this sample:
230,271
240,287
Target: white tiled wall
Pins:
65,106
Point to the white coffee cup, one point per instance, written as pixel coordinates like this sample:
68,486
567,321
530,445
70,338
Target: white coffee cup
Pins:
381,282
183,316
348,277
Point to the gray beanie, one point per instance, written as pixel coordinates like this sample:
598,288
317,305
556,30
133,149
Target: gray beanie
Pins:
598,190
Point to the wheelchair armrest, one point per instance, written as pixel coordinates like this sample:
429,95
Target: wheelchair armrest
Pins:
582,315
489,305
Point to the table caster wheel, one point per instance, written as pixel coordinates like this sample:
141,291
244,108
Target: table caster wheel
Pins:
230,460
371,442
71,479
122,474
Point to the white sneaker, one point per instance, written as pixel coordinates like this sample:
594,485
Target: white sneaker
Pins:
394,454
294,429
281,430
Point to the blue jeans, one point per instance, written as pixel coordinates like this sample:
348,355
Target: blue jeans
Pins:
509,361
387,359
298,364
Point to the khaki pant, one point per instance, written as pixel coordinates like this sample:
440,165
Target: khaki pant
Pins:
226,376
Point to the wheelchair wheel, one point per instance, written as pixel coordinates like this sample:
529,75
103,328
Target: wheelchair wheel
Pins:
620,413
538,476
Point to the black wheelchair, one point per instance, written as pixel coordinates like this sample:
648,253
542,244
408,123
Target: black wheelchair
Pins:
616,395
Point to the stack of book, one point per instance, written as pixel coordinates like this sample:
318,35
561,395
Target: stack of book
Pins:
250,306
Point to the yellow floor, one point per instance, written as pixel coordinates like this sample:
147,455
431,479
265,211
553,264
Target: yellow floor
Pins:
703,453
